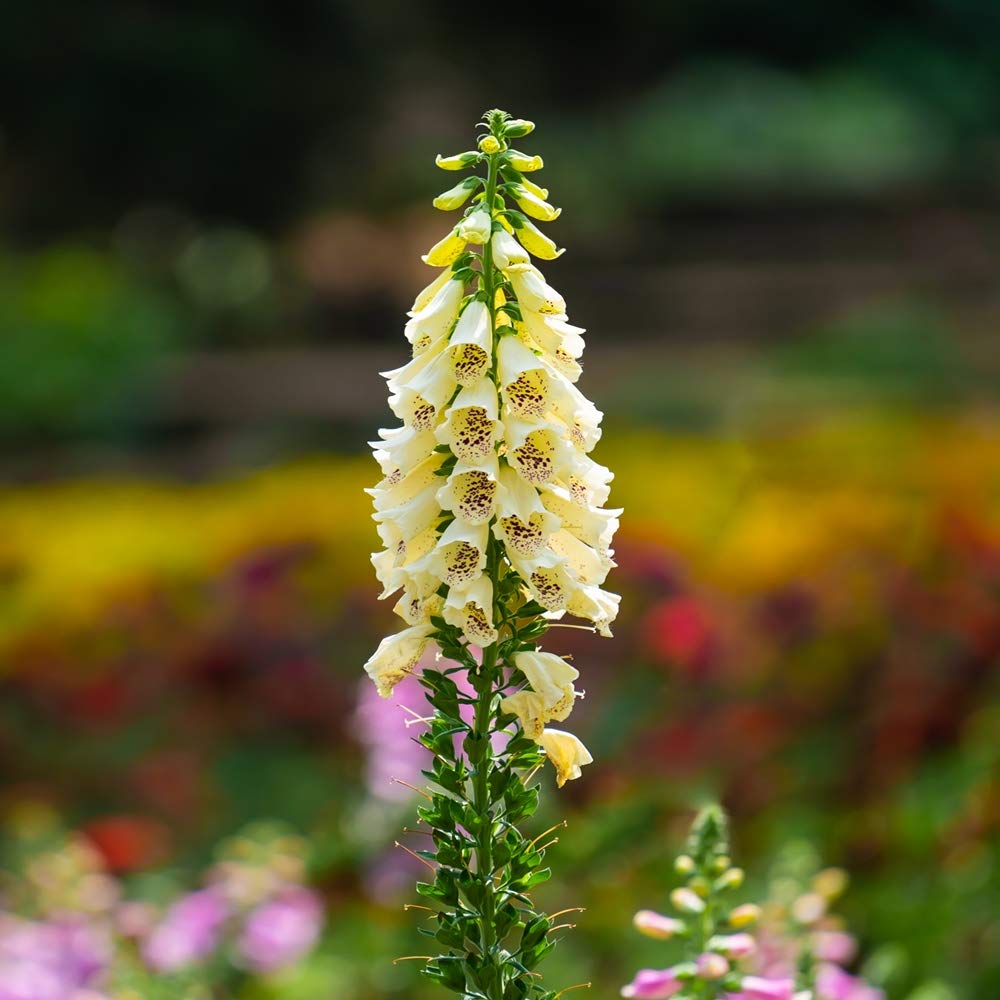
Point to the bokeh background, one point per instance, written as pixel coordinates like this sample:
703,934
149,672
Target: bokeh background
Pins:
784,226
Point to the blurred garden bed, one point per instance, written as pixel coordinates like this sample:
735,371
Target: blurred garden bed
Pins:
811,629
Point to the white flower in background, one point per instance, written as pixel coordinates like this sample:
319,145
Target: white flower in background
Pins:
488,484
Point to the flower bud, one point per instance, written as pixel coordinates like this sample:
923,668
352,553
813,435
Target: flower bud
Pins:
683,865
744,915
731,879
476,227
535,189
489,144
518,127
830,882
721,863
524,163
655,925
687,901
700,885
712,965
457,162
457,196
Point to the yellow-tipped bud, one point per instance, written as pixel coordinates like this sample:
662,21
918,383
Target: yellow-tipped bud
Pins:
745,915
489,144
687,901
446,251
531,204
731,879
460,161
524,163
517,127
535,241
720,864
533,188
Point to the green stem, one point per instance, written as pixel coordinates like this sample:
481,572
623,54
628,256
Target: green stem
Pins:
486,680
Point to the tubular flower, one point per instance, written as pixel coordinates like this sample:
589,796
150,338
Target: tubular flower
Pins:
488,477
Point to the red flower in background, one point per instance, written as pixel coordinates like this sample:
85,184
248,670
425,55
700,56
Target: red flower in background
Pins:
129,843
681,632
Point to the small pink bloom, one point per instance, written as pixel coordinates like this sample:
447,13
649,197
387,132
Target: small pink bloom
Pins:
833,983
834,946
655,925
711,965
652,984
734,945
755,988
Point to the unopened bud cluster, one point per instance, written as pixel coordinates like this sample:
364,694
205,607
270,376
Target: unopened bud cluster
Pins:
713,932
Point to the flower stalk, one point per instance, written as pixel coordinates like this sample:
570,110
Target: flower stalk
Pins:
493,519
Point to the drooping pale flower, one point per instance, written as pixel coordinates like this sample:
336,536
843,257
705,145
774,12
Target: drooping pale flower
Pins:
567,754
758,988
488,478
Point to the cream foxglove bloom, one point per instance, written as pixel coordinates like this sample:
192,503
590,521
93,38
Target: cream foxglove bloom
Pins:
470,609
476,226
471,429
507,251
489,493
471,345
550,694
396,657
567,754
532,290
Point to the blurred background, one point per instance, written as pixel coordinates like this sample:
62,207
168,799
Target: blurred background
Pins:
783,225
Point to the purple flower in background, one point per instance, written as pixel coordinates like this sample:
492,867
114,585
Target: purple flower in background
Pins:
280,931
189,931
51,961
391,750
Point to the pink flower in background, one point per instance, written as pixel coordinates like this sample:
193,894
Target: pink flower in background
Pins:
188,933
391,750
281,931
834,946
50,961
652,984
757,988
833,983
